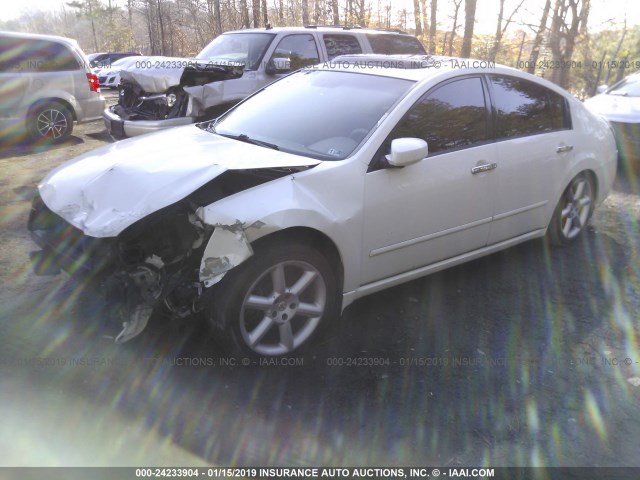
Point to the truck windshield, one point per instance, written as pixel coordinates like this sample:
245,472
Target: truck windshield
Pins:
247,48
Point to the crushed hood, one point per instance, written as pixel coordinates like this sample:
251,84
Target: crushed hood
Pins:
106,190
157,74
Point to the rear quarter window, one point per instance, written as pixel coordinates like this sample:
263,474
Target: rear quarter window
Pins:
341,44
526,108
395,44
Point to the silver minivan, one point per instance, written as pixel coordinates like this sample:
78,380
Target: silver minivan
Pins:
45,85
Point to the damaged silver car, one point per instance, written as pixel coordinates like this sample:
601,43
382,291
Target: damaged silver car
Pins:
328,185
162,92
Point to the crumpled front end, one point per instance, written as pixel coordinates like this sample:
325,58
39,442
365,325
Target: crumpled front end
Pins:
157,88
162,260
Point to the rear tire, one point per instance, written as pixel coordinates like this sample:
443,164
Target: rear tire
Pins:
275,302
50,122
573,211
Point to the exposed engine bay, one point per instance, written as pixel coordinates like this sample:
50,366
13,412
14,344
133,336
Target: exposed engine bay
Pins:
137,100
157,262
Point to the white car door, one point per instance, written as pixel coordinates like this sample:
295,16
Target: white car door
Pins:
535,142
441,206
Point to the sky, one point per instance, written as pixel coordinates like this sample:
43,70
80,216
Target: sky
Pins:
486,12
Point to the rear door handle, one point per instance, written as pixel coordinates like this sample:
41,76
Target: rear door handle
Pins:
564,148
485,167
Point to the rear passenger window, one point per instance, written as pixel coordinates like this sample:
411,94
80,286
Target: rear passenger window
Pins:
525,108
36,56
390,44
341,45
450,117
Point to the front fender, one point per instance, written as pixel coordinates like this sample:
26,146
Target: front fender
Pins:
289,202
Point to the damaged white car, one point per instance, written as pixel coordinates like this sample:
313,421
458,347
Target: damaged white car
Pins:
328,185
162,92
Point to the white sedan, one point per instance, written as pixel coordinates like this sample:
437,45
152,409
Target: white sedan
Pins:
330,184
620,104
110,77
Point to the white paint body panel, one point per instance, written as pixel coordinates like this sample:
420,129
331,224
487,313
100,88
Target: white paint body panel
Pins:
388,226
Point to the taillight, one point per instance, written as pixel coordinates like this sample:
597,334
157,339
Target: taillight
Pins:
94,84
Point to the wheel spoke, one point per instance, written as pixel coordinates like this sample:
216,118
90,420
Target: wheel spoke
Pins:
310,309
258,302
303,282
584,202
579,190
278,280
565,212
567,227
263,327
286,336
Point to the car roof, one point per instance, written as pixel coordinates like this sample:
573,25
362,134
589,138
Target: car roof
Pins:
423,67
321,28
36,36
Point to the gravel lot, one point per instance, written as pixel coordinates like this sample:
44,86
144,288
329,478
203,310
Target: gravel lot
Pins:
527,357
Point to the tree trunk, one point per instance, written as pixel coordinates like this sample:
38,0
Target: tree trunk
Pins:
265,16
432,27
469,20
535,50
416,14
455,26
255,11
567,23
336,12
305,12
244,14
161,25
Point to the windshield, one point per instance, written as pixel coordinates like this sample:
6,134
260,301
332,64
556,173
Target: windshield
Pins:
317,113
245,48
628,87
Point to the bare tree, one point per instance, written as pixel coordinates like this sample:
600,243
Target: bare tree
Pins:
501,29
255,12
336,12
569,16
87,8
432,27
418,17
244,13
537,42
469,20
454,28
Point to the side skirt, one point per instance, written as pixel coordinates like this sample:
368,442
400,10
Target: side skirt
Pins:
350,297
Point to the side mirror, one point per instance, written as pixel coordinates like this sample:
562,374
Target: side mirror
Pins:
405,151
602,88
277,65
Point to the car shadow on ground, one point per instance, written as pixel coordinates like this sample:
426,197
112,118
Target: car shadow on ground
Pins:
463,356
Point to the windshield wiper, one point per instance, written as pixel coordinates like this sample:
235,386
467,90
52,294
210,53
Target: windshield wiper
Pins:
247,139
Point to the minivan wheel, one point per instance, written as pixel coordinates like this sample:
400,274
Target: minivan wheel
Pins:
573,211
276,301
50,122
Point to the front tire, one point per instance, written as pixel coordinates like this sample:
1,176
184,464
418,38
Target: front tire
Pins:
573,211
51,122
276,301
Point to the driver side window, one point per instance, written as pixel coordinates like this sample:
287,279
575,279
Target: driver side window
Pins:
298,50
449,117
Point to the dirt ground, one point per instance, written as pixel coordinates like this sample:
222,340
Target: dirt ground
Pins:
527,357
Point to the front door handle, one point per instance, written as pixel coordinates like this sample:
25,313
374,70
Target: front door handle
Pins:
485,167
564,148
